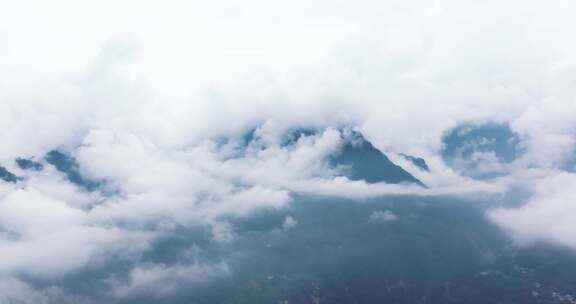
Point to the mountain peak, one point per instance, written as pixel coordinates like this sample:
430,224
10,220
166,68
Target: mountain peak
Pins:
360,160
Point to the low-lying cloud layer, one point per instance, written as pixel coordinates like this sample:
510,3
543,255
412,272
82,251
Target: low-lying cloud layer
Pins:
127,123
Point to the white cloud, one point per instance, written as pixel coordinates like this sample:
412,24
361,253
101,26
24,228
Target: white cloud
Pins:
161,280
16,291
289,223
39,232
382,216
548,216
143,95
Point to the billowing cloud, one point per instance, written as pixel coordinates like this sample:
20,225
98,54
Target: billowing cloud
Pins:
161,280
178,117
382,216
548,214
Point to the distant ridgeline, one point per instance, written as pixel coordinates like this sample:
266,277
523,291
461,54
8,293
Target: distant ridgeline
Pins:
481,151
24,164
8,176
357,158
62,162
